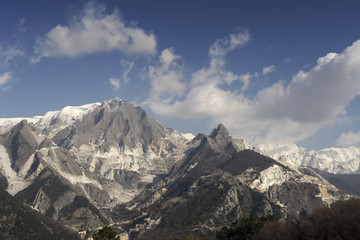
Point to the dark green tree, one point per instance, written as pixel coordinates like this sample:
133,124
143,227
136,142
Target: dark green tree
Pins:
244,228
339,221
106,233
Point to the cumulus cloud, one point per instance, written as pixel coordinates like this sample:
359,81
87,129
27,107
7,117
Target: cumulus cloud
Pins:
166,77
94,31
115,82
316,96
348,139
167,82
284,112
269,69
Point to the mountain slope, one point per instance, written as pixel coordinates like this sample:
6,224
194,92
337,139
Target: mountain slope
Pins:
52,122
120,144
20,222
85,159
219,182
347,182
111,163
45,176
332,160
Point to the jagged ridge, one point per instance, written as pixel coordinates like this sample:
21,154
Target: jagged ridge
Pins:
112,163
332,160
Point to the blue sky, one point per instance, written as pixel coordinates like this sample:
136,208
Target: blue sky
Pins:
270,71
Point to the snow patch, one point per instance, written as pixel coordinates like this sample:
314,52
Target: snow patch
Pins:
189,136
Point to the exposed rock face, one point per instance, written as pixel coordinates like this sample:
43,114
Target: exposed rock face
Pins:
106,153
219,182
115,123
20,222
120,144
298,198
111,163
21,142
3,182
127,179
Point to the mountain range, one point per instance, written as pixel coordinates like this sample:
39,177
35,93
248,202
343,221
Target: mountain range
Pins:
332,160
111,163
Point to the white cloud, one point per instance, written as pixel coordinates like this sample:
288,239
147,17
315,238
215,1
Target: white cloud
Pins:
167,82
284,112
269,69
317,96
348,139
215,73
5,78
202,101
19,29
166,77
222,46
94,31
115,82
8,54
127,66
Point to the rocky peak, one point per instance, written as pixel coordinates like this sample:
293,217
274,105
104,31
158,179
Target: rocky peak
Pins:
21,142
23,126
221,141
114,102
208,151
115,123
211,188
220,130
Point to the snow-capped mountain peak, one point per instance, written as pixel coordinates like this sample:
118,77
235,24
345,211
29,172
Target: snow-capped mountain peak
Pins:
333,160
58,120
52,120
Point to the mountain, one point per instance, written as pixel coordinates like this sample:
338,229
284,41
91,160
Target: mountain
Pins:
70,164
53,121
346,182
111,163
218,182
45,177
332,160
18,221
